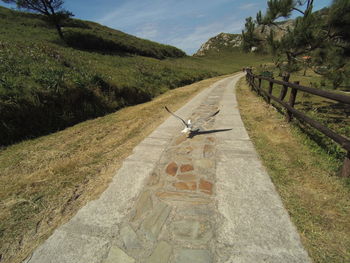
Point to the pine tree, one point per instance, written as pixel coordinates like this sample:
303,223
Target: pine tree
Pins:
249,36
323,37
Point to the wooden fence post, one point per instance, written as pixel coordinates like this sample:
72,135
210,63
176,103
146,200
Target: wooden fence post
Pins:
270,92
284,88
249,74
292,97
345,172
259,87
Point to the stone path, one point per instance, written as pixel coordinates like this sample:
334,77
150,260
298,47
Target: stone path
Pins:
178,200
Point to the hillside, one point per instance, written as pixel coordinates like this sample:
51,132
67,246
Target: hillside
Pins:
220,43
47,84
83,35
225,42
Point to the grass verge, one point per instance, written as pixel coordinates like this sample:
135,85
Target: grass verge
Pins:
45,181
304,175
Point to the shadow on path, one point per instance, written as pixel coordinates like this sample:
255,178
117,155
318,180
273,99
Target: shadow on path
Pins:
195,133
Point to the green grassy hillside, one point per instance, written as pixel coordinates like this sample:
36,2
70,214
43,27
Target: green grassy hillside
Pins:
47,84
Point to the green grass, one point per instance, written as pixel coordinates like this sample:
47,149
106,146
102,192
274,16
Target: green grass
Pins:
304,175
331,114
47,85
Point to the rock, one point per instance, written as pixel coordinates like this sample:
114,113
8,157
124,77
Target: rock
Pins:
186,168
129,238
171,169
185,186
154,222
192,230
143,205
193,256
205,186
190,198
187,177
223,40
161,254
118,255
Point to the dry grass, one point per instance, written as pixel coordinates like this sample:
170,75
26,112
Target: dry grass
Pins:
317,201
45,181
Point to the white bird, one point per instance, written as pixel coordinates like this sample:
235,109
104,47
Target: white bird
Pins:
189,126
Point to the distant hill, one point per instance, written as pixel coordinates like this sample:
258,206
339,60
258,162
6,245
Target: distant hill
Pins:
279,29
219,43
225,42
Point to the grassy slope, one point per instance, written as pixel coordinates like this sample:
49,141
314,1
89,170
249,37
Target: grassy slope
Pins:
304,175
330,113
46,85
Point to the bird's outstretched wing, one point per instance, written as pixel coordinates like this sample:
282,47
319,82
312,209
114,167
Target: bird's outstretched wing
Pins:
176,116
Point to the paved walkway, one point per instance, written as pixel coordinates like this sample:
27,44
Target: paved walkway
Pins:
184,200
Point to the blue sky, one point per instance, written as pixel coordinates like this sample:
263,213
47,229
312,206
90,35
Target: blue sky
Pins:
185,24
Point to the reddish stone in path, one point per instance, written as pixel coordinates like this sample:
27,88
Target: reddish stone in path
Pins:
171,169
205,186
186,168
185,185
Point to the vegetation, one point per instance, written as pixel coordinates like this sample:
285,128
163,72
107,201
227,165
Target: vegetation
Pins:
303,173
250,39
51,9
47,84
331,114
317,40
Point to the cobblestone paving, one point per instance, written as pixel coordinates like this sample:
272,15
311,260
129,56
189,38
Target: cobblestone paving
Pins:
173,219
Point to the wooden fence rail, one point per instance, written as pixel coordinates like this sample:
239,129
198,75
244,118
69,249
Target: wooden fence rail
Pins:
292,112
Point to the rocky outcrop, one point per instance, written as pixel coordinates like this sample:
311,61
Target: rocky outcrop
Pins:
223,41
227,42
279,29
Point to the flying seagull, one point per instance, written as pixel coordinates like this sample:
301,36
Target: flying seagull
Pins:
189,126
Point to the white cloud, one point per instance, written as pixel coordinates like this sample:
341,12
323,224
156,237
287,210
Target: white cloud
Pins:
147,31
133,12
248,6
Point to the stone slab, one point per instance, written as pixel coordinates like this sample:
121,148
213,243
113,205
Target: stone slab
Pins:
117,255
193,256
154,222
161,254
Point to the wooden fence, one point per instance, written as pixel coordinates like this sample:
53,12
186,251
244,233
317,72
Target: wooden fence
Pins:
292,112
